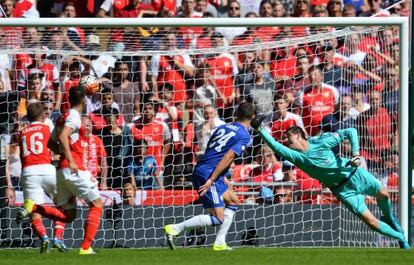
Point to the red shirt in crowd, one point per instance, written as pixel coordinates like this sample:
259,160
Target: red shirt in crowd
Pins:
96,152
223,69
190,33
317,103
33,144
268,173
279,126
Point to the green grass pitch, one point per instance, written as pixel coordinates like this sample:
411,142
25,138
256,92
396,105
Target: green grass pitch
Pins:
200,256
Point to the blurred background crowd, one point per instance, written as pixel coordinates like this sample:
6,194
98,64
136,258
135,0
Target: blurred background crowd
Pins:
152,119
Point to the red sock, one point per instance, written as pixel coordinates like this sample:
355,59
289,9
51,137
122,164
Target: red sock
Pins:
91,227
51,213
38,227
59,229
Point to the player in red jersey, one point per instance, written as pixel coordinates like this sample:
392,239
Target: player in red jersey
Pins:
73,179
38,175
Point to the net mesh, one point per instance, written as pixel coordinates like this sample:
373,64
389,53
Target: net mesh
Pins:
172,87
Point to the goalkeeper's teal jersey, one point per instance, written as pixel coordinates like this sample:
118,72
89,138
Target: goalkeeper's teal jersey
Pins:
319,161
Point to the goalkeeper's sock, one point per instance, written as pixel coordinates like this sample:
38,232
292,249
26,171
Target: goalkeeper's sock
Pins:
59,229
197,221
51,213
91,227
386,209
39,228
386,230
224,227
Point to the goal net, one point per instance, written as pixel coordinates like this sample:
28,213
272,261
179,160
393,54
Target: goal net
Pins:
164,91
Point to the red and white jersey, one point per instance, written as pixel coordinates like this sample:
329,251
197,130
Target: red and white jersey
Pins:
267,173
50,72
279,126
190,33
223,69
162,68
316,104
95,152
154,133
33,145
77,141
25,8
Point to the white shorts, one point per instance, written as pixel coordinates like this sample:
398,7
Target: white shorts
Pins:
70,186
38,180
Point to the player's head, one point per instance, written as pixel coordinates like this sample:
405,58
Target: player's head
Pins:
295,137
35,112
245,112
76,96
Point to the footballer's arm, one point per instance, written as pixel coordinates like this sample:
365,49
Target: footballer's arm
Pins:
223,165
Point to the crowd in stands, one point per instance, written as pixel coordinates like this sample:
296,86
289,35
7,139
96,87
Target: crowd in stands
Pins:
153,117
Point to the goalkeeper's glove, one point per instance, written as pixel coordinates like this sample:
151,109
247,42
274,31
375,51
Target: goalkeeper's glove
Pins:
355,161
257,121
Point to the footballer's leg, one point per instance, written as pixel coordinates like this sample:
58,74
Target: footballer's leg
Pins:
58,236
211,200
40,230
384,203
232,201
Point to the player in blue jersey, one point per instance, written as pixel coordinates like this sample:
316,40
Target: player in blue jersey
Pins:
227,142
349,182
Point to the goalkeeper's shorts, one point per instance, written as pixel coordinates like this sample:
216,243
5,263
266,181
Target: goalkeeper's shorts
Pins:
352,193
214,196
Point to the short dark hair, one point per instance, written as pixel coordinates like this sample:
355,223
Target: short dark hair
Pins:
35,111
296,130
76,95
245,111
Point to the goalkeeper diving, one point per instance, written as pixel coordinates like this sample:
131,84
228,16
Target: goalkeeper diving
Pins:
349,182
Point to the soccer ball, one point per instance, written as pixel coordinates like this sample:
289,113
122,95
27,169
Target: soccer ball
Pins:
90,84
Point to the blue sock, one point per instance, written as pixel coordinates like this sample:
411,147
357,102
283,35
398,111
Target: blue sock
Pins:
386,209
386,230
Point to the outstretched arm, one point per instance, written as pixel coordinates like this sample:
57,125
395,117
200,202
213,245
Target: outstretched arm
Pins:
292,156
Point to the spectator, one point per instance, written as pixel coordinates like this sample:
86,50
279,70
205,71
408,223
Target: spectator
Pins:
317,101
352,53
332,74
375,9
261,91
230,32
97,117
301,8
129,194
6,63
74,37
282,119
374,129
172,69
33,93
118,146
99,65
341,118
335,8
205,129
283,195
51,115
204,40
251,34
188,11
302,79
55,42
144,169
126,93
268,169
223,69
320,11
266,9
357,5
349,11
245,75
25,9
203,6
205,93
8,6
96,156
359,104
156,133
278,9
132,9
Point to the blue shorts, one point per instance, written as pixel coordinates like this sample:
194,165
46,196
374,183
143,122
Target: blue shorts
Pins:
214,196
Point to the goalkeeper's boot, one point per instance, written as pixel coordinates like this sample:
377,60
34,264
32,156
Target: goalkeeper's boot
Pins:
26,211
257,121
170,235
59,245
223,247
45,245
88,251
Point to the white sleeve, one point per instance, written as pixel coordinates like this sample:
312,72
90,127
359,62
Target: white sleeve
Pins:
107,5
73,120
55,75
166,131
299,99
299,121
187,61
155,65
235,67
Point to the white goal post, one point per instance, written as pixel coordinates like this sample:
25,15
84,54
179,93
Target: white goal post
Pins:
404,194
